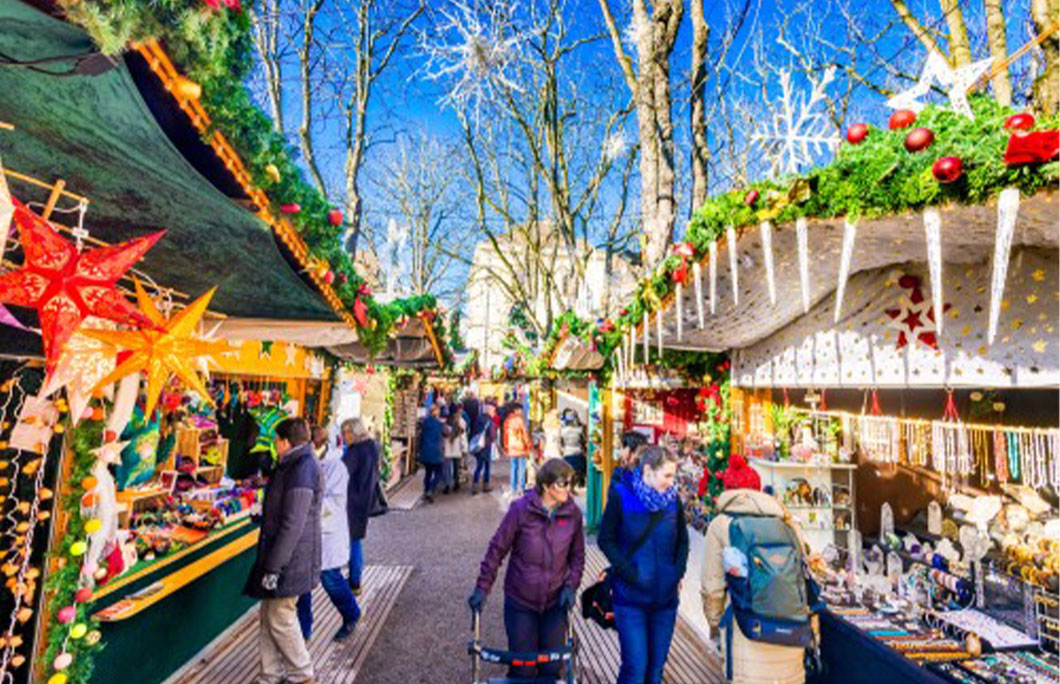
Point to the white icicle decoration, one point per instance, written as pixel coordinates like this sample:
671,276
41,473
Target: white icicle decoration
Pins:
713,277
659,332
804,262
733,264
680,313
1008,206
646,348
7,210
767,252
850,234
697,273
933,233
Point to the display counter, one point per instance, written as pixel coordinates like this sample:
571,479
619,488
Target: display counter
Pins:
174,606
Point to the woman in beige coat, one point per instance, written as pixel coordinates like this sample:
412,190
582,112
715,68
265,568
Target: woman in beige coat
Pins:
754,662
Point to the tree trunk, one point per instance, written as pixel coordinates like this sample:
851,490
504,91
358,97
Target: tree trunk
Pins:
960,48
1047,85
700,151
305,134
995,35
266,23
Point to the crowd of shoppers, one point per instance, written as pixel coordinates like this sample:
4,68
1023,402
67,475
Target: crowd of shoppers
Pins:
320,496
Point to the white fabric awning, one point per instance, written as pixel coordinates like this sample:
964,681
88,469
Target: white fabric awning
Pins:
304,333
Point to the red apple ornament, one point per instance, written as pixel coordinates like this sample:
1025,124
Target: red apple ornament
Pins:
290,208
947,169
919,139
750,198
1024,121
335,217
857,133
902,118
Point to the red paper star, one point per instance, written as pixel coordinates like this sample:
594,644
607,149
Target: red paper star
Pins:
66,286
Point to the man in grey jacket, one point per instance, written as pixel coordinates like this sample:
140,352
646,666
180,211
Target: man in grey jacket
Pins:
289,554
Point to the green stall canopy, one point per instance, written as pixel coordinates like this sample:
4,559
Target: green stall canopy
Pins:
98,133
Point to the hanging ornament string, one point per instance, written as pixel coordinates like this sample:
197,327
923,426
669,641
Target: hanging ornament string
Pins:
1013,455
1000,457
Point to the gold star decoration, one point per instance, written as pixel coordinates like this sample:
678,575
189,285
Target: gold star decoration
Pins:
173,349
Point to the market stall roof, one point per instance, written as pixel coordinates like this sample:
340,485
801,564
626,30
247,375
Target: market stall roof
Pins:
573,353
96,131
414,345
782,344
968,237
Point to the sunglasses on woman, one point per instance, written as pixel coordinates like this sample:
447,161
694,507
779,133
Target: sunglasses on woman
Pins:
561,484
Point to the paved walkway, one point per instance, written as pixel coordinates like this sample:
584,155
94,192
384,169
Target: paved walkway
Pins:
422,562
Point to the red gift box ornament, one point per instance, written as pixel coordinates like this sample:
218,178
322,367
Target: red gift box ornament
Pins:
1032,148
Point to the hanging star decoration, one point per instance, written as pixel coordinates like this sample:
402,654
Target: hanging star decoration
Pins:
955,81
66,286
84,362
172,348
914,319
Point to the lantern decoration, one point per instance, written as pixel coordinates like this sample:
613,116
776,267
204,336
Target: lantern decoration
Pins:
172,350
65,285
84,362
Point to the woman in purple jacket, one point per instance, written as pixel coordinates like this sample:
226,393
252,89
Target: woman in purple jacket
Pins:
543,532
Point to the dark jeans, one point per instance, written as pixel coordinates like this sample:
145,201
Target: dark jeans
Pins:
644,635
432,477
356,562
530,631
577,461
341,597
482,466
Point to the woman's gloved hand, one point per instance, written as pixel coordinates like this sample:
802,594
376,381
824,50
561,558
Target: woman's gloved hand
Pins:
476,600
566,598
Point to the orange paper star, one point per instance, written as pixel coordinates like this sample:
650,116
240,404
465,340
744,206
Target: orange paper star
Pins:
172,349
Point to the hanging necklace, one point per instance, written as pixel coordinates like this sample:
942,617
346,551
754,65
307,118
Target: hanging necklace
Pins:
1000,456
1013,455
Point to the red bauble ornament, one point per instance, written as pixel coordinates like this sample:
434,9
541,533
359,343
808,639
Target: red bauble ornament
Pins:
67,286
750,198
83,595
290,208
335,217
329,277
857,133
903,118
1023,121
947,169
919,139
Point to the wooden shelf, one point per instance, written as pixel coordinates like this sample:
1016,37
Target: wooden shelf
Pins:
795,465
149,596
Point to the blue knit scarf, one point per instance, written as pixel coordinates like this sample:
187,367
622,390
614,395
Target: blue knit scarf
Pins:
651,498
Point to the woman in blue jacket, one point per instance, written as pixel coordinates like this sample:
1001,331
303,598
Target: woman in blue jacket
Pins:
643,535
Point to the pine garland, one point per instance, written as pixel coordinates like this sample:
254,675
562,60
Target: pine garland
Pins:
65,579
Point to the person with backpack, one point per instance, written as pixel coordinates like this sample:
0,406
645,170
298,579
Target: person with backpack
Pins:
738,573
543,532
518,446
644,536
455,447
